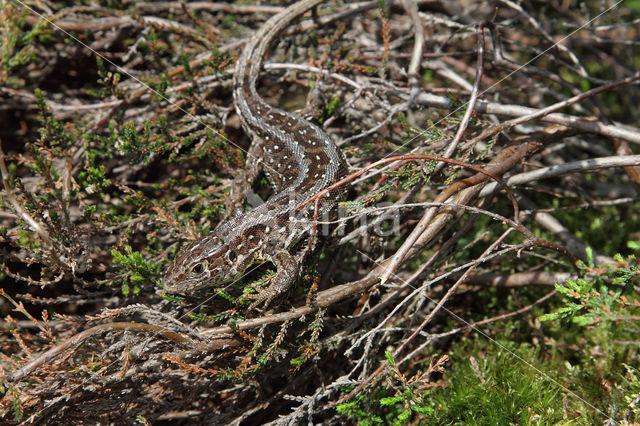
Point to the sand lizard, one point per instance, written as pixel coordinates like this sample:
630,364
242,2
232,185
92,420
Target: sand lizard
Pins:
298,158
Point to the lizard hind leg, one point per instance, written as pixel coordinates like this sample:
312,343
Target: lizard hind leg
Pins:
314,107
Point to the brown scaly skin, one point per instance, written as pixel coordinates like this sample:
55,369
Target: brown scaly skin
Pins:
298,158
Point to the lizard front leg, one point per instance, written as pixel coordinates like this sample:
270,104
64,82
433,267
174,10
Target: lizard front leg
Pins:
287,268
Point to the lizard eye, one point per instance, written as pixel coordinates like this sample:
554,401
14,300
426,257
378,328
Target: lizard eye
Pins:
232,256
198,268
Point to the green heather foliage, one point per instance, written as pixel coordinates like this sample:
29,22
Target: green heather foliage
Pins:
397,402
16,48
136,269
601,297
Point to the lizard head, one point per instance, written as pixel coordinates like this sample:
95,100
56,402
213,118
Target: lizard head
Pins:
208,262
